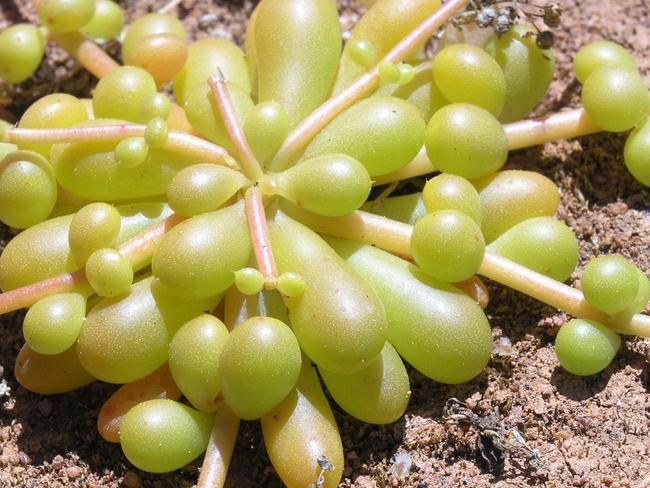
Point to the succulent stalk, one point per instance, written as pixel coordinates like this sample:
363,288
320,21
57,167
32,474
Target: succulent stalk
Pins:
298,139
524,133
138,250
395,237
176,141
250,166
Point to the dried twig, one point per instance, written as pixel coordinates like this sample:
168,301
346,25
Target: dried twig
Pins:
494,440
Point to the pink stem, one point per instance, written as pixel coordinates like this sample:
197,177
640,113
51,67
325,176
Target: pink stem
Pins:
260,236
140,248
94,59
27,296
137,250
87,53
220,448
176,141
298,139
75,134
249,162
171,5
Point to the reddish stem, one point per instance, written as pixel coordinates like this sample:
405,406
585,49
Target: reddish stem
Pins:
171,5
117,132
94,59
250,165
158,384
27,296
87,53
298,139
220,448
260,236
176,141
138,250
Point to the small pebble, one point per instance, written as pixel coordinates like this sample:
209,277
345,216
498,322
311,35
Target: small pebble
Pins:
504,348
472,401
539,407
45,407
132,480
547,390
562,435
221,33
5,389
73,472
24,458
57,462
618,208
401,465
206,21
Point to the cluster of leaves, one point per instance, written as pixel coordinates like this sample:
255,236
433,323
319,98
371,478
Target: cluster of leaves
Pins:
223,249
